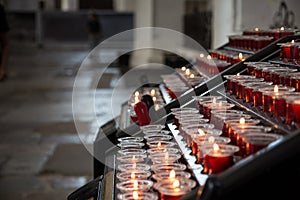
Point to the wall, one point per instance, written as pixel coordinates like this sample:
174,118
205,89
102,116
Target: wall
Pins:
258,13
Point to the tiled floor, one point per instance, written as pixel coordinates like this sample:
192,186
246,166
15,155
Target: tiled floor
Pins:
41,155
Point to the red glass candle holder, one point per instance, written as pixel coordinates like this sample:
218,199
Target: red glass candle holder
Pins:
194,129
250,129
254,142
199,141
293,110
249,87
241,123
174,189
268,94
295,81
218,157
241,90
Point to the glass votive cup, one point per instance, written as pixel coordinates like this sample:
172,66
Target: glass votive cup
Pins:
154,127
160,150
134,185
171,175
276,74
249,129
241,86
126,167
218,118
241,123
218,157
293,109
132,175
194,129
185,117
257,141
208,140
165,157
131,145
200,99
178,113
203,134
138,195
232,81
130,139
156,132
156,137
221,105
174,189
132,152
268,94
186,123
167,167
138,158
160,144
295,82
249,87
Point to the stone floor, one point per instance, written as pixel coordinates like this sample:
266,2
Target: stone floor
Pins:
41,153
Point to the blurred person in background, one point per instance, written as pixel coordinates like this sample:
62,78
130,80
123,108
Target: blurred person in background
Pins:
4,28
94,29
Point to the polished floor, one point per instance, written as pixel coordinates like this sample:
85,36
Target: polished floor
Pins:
41,153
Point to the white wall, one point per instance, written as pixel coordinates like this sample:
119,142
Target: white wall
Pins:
259,13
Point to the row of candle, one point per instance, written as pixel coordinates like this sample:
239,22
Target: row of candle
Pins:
276,33
289,52
249,42
280,100
228,56
232,136
151,96
174,85
190,76
212,66
152,169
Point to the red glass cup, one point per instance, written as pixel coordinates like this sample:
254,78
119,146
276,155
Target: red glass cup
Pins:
194,129
241,90
249,129
199,141
293,109
219,105
275,74
174,189
239,124
254,142
295,81
218,157
268,94
249,87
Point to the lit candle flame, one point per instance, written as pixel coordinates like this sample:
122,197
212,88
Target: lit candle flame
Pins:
187,72
242,120
152,92
136,94
209,57
132,176
220,103
201,132
238,74
154,99
293,41
241,56
282,28
216,147
135,195
159,145
176,184
135,184
276,89
201,55
256,29
172,174
183,68
211,139
192,76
